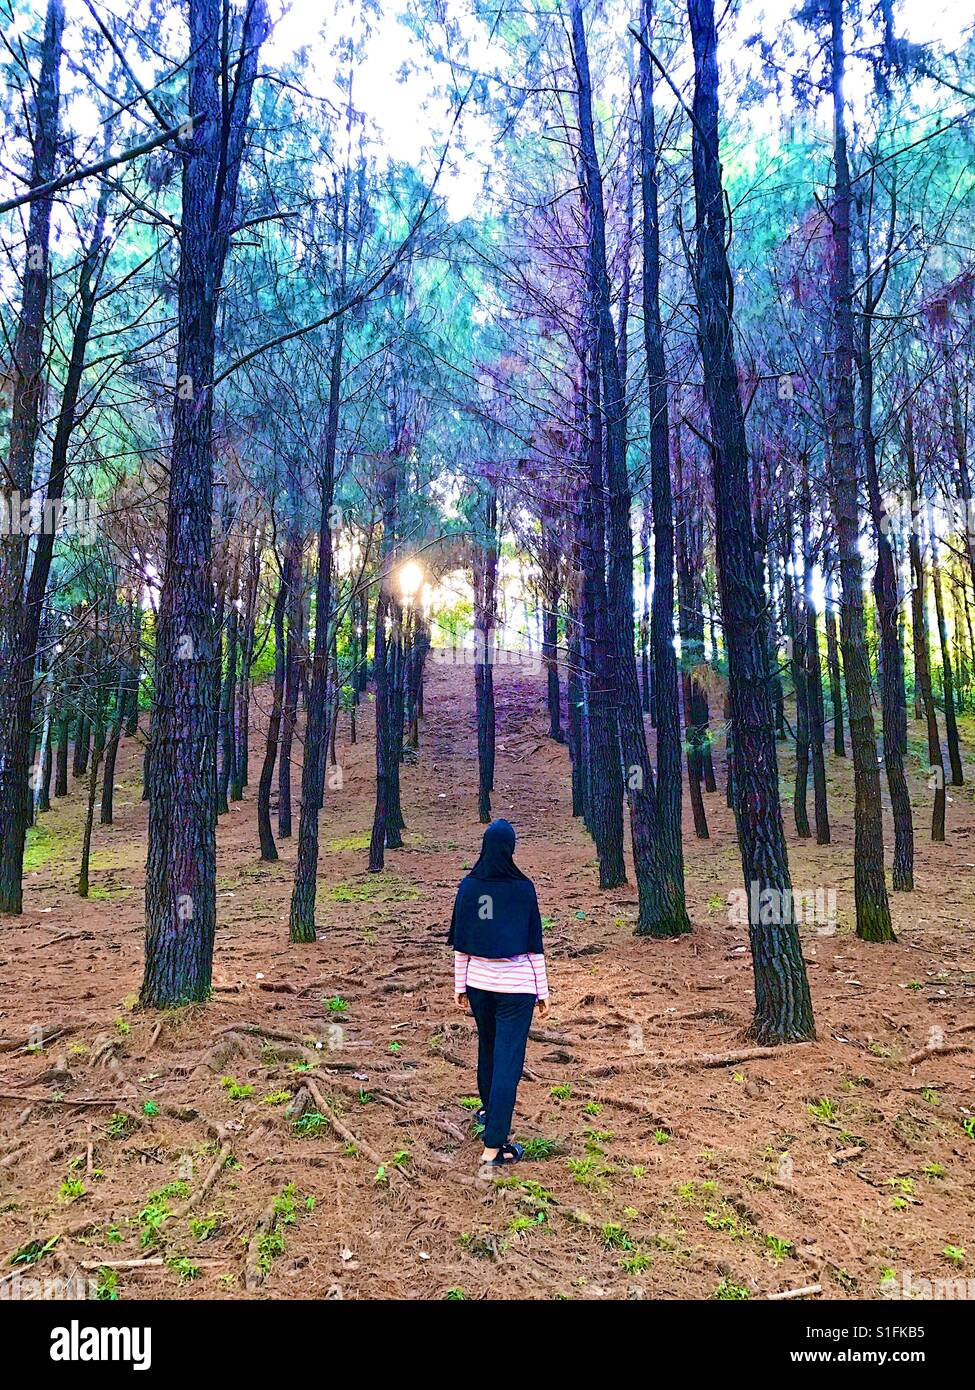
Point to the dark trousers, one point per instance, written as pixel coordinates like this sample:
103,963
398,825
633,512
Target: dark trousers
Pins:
502,1021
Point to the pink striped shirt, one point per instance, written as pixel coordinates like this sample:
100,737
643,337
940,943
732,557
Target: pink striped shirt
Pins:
508,975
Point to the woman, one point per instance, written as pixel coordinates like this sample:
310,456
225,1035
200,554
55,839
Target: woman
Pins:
499,968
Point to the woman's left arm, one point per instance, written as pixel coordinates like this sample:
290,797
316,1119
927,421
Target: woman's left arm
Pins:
461,962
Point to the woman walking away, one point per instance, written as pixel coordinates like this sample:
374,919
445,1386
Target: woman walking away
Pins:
499,968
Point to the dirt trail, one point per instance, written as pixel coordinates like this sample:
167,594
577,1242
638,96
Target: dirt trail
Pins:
665,1177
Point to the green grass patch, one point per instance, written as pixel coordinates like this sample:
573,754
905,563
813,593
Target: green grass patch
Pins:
385,888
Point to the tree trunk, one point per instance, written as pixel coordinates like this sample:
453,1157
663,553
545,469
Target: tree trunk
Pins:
870,888
814,677
302,917
947,675
550,623
228,741
919,619
61,761
485,619
661,896
796,630
16,483
294,610
265,833
181,861
783,1009
247,628
893,694
674,920
689,559
645,677
111,750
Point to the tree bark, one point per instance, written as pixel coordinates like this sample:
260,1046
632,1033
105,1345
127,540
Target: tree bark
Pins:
27,368
485,619
783,1009
302,917
919,619
265,833
661,909
181,861
893,694
870,888
670,852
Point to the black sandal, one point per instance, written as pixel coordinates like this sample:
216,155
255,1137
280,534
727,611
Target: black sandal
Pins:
509,1153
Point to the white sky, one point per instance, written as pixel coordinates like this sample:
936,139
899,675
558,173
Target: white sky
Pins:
409,112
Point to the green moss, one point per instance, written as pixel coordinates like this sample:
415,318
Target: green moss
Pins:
377,888
354,842
101,894
41,846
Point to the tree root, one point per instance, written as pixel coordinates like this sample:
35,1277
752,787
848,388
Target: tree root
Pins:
950,1051
208,1182
341,1129
705,1060
254,1275
38,1037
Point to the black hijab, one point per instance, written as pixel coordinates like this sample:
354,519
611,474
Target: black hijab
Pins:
496,909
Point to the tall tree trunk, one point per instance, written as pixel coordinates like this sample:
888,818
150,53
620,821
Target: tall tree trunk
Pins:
388,643
387,823
796,630
670,852
814,676
181,861
574,681
294,610
111,749
302,918
603,780
689,559
247,634
550,622
485,619
228,740
947,674
645,668
61,760
870,888
919,619
893,694
783,1009
16,482
265,833
82,731
83,872
661,909
833,659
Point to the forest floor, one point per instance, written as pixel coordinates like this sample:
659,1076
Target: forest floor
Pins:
159,1148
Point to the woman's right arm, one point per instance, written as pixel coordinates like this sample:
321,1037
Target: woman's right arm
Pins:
541,981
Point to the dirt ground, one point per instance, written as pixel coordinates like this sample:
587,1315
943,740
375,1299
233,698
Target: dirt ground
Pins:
160,1150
